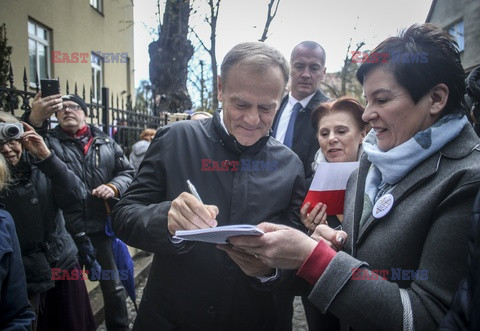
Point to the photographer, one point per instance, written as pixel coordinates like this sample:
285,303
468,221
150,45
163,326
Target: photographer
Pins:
42,185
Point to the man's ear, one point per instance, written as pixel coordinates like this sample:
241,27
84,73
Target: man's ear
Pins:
219,88
438,98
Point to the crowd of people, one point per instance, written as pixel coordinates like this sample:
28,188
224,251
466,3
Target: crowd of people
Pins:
404,253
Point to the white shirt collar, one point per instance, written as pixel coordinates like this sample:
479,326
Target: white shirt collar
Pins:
292,101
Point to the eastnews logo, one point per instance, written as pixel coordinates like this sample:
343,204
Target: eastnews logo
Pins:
242,165
76,57
396,57
61,274
394,274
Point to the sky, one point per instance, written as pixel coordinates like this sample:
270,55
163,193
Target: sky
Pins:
330,23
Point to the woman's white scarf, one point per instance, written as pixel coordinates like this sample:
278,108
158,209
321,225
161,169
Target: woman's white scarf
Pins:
389,167
319,158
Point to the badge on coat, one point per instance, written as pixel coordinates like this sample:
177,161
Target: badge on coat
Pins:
383,206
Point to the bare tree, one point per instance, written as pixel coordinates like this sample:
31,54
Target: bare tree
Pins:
169,56
270,18
198,80
344,82
212,18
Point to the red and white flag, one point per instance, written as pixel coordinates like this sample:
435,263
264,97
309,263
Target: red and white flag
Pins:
329,184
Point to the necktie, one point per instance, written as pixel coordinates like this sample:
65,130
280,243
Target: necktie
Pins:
291,125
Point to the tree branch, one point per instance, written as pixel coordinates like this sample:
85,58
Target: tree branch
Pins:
270,18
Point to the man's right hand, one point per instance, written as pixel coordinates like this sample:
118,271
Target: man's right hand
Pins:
187,213
43,108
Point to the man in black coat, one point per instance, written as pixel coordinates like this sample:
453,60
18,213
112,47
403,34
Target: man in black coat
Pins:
307,70
242,175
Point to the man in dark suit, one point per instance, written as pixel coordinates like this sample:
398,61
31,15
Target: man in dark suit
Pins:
307,64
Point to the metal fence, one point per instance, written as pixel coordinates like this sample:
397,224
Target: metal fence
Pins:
115,116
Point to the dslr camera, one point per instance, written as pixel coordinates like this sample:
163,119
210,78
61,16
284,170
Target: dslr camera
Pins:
9,131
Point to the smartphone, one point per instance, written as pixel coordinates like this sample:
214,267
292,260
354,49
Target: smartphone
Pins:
49,87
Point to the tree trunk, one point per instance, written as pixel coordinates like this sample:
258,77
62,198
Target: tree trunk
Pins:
213,49
169,56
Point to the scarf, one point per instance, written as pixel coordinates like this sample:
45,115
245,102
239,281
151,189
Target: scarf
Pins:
319,157
83,137
389,167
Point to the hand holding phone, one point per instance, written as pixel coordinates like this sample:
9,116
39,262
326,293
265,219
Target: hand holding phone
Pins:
49,87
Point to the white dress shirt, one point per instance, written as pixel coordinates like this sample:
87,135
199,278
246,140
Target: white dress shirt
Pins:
287,112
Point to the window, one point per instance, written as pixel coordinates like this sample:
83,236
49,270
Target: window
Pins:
97,77
38,52
457,32
97,4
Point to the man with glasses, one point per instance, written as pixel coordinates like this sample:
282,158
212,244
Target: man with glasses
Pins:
101,164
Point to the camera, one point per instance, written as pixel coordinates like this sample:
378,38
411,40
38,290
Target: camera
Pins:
10,131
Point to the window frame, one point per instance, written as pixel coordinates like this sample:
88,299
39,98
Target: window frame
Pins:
44,43
457,34
97,5
96,65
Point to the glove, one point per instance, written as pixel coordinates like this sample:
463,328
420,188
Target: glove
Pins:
86,256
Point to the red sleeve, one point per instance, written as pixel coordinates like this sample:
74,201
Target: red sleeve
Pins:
317,262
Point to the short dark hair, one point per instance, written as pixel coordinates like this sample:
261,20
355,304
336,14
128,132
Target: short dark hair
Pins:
310,45
347,104
441,66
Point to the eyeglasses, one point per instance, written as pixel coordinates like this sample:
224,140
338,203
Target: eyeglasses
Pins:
10,143
71,107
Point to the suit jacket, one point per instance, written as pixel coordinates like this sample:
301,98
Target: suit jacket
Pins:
305,143
426,231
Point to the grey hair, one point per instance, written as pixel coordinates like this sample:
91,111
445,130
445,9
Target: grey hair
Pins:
255,53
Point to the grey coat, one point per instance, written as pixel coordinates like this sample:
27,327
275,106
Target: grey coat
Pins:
426,231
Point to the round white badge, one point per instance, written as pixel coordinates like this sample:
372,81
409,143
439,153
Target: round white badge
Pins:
383,206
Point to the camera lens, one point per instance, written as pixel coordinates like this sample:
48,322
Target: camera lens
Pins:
12,131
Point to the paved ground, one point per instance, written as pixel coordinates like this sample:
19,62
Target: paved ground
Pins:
299,322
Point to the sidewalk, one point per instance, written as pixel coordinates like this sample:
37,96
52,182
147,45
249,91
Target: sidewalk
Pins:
142,262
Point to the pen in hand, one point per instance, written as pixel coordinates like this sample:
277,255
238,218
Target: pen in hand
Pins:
193,190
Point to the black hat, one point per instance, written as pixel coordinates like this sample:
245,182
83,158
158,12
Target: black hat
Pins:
75,98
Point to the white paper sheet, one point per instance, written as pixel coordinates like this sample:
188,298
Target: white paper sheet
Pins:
219,234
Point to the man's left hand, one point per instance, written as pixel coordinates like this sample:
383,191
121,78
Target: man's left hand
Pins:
250,264
103,192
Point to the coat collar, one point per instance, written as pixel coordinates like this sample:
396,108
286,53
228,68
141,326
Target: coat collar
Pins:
230,142
458,148
97,134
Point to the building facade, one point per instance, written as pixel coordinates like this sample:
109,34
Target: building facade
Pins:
462,19
89,42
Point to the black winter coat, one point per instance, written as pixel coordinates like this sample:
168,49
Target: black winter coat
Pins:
197,286
34,200
104,163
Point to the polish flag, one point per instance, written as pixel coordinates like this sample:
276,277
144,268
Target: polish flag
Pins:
329,184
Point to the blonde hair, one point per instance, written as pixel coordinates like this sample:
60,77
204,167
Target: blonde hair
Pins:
147,132
4,174
5,177
8,118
